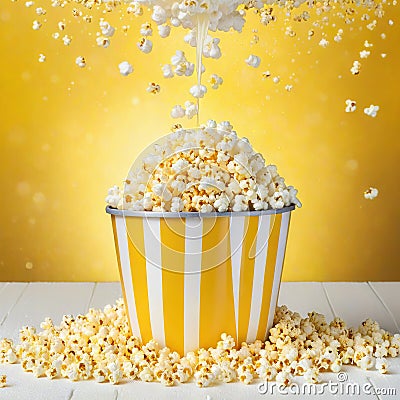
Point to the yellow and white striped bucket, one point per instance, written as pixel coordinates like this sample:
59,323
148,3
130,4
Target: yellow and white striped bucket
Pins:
189,277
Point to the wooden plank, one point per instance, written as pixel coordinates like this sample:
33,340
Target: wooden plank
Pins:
105,293
41,300
389,294
9,296
355,302
305,297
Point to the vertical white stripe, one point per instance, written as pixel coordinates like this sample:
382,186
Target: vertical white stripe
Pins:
193,249
278,268
258,279
127,274
152,246
236,236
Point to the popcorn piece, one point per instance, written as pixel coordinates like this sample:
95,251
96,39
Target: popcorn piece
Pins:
167,71
215,81
177,112
371,193
80,62
146,30
351,106
381,365
42,58
135,8
367,44
371,111
29,4
153,88
164,30
364,53
289,88
253,61
40,11
355,69
191,109
145,45
125,68
106,28
66,40
323,43
36,25
3,378
61,25
276,79
198,91
102,41
383,55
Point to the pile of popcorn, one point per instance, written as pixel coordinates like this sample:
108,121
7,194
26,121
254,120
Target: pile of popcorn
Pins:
203,170
99,346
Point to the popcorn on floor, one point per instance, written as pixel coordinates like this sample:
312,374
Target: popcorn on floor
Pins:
3,381
99,345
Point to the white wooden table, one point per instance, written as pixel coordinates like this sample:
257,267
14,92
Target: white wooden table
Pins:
29,303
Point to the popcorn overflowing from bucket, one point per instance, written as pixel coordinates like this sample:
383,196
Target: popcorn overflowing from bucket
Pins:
204,170
99,346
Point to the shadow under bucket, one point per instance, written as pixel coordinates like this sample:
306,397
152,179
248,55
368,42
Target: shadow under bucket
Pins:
188,277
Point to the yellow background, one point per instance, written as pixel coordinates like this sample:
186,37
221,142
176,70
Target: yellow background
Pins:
68,134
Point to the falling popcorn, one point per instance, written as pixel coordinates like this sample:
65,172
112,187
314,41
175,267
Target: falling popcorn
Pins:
61,25
36,25
355,69
323,43
40,11
145,29
66,40
177,112
106,28
80,62
153,88
145,45
253,61
164,30
125,68
103,41
350,106
371,111
215,81
198,91
289,88
42,58
371,193
191,109
364,53
29,4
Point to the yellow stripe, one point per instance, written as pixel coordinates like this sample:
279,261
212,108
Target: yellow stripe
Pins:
217,313
172,233
269,274
247,275
134,227
114,226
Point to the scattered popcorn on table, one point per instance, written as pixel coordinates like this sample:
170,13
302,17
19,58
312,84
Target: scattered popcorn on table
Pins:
153,88
125,68
351,106
371,193
3,378
99,345
42,58
80,62
253,61
371,111
215,81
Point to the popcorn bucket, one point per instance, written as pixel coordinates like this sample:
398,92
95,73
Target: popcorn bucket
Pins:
188,277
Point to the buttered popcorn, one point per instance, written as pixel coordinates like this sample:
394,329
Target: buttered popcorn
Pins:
99,345
207,169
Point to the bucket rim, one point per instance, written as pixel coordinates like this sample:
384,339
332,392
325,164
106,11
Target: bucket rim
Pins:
194,214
